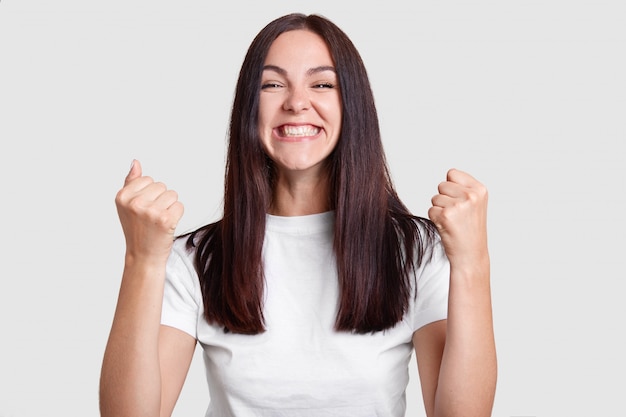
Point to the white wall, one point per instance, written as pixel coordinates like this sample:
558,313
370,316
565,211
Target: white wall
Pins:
529,96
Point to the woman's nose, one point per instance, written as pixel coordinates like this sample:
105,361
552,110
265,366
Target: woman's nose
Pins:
297,100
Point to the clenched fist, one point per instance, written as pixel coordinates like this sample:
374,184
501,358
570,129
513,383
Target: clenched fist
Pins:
460,213
149,214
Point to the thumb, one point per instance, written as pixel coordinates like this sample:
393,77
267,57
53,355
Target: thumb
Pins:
135,171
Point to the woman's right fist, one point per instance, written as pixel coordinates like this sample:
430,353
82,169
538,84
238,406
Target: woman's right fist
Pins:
149,214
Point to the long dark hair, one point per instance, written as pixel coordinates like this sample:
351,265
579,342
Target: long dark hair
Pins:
377,241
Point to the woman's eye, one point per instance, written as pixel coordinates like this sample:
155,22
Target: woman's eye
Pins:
266,86
324,85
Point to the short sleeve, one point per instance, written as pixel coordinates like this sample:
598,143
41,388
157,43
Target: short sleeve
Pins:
181,295
433,284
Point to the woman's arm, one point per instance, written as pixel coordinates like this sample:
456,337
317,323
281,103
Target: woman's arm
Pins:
457,357
139,349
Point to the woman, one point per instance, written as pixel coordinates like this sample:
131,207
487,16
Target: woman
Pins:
311,292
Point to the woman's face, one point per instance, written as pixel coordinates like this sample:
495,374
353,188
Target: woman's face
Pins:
300,103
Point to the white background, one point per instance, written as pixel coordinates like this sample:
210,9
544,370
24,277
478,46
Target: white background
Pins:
528,96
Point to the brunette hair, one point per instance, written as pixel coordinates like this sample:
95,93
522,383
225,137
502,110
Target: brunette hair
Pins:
377,241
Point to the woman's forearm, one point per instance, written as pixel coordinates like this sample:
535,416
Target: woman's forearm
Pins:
467,378
130,382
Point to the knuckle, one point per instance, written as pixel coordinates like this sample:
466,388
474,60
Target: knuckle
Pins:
167,221
120,197
162,218
135,205
159,186
445,215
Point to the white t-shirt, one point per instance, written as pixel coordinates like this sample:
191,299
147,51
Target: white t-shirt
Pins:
300,366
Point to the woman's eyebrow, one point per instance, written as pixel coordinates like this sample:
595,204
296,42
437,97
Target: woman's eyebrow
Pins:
275,68
311,71
321,68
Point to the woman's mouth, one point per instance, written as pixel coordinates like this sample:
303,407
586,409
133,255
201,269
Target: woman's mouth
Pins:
300,131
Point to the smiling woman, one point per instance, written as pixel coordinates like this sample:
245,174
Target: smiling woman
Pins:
300,105
299,118
311,292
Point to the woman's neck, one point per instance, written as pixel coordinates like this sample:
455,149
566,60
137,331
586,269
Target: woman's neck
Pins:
300,196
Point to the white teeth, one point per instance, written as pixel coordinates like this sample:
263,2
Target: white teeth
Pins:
300,130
